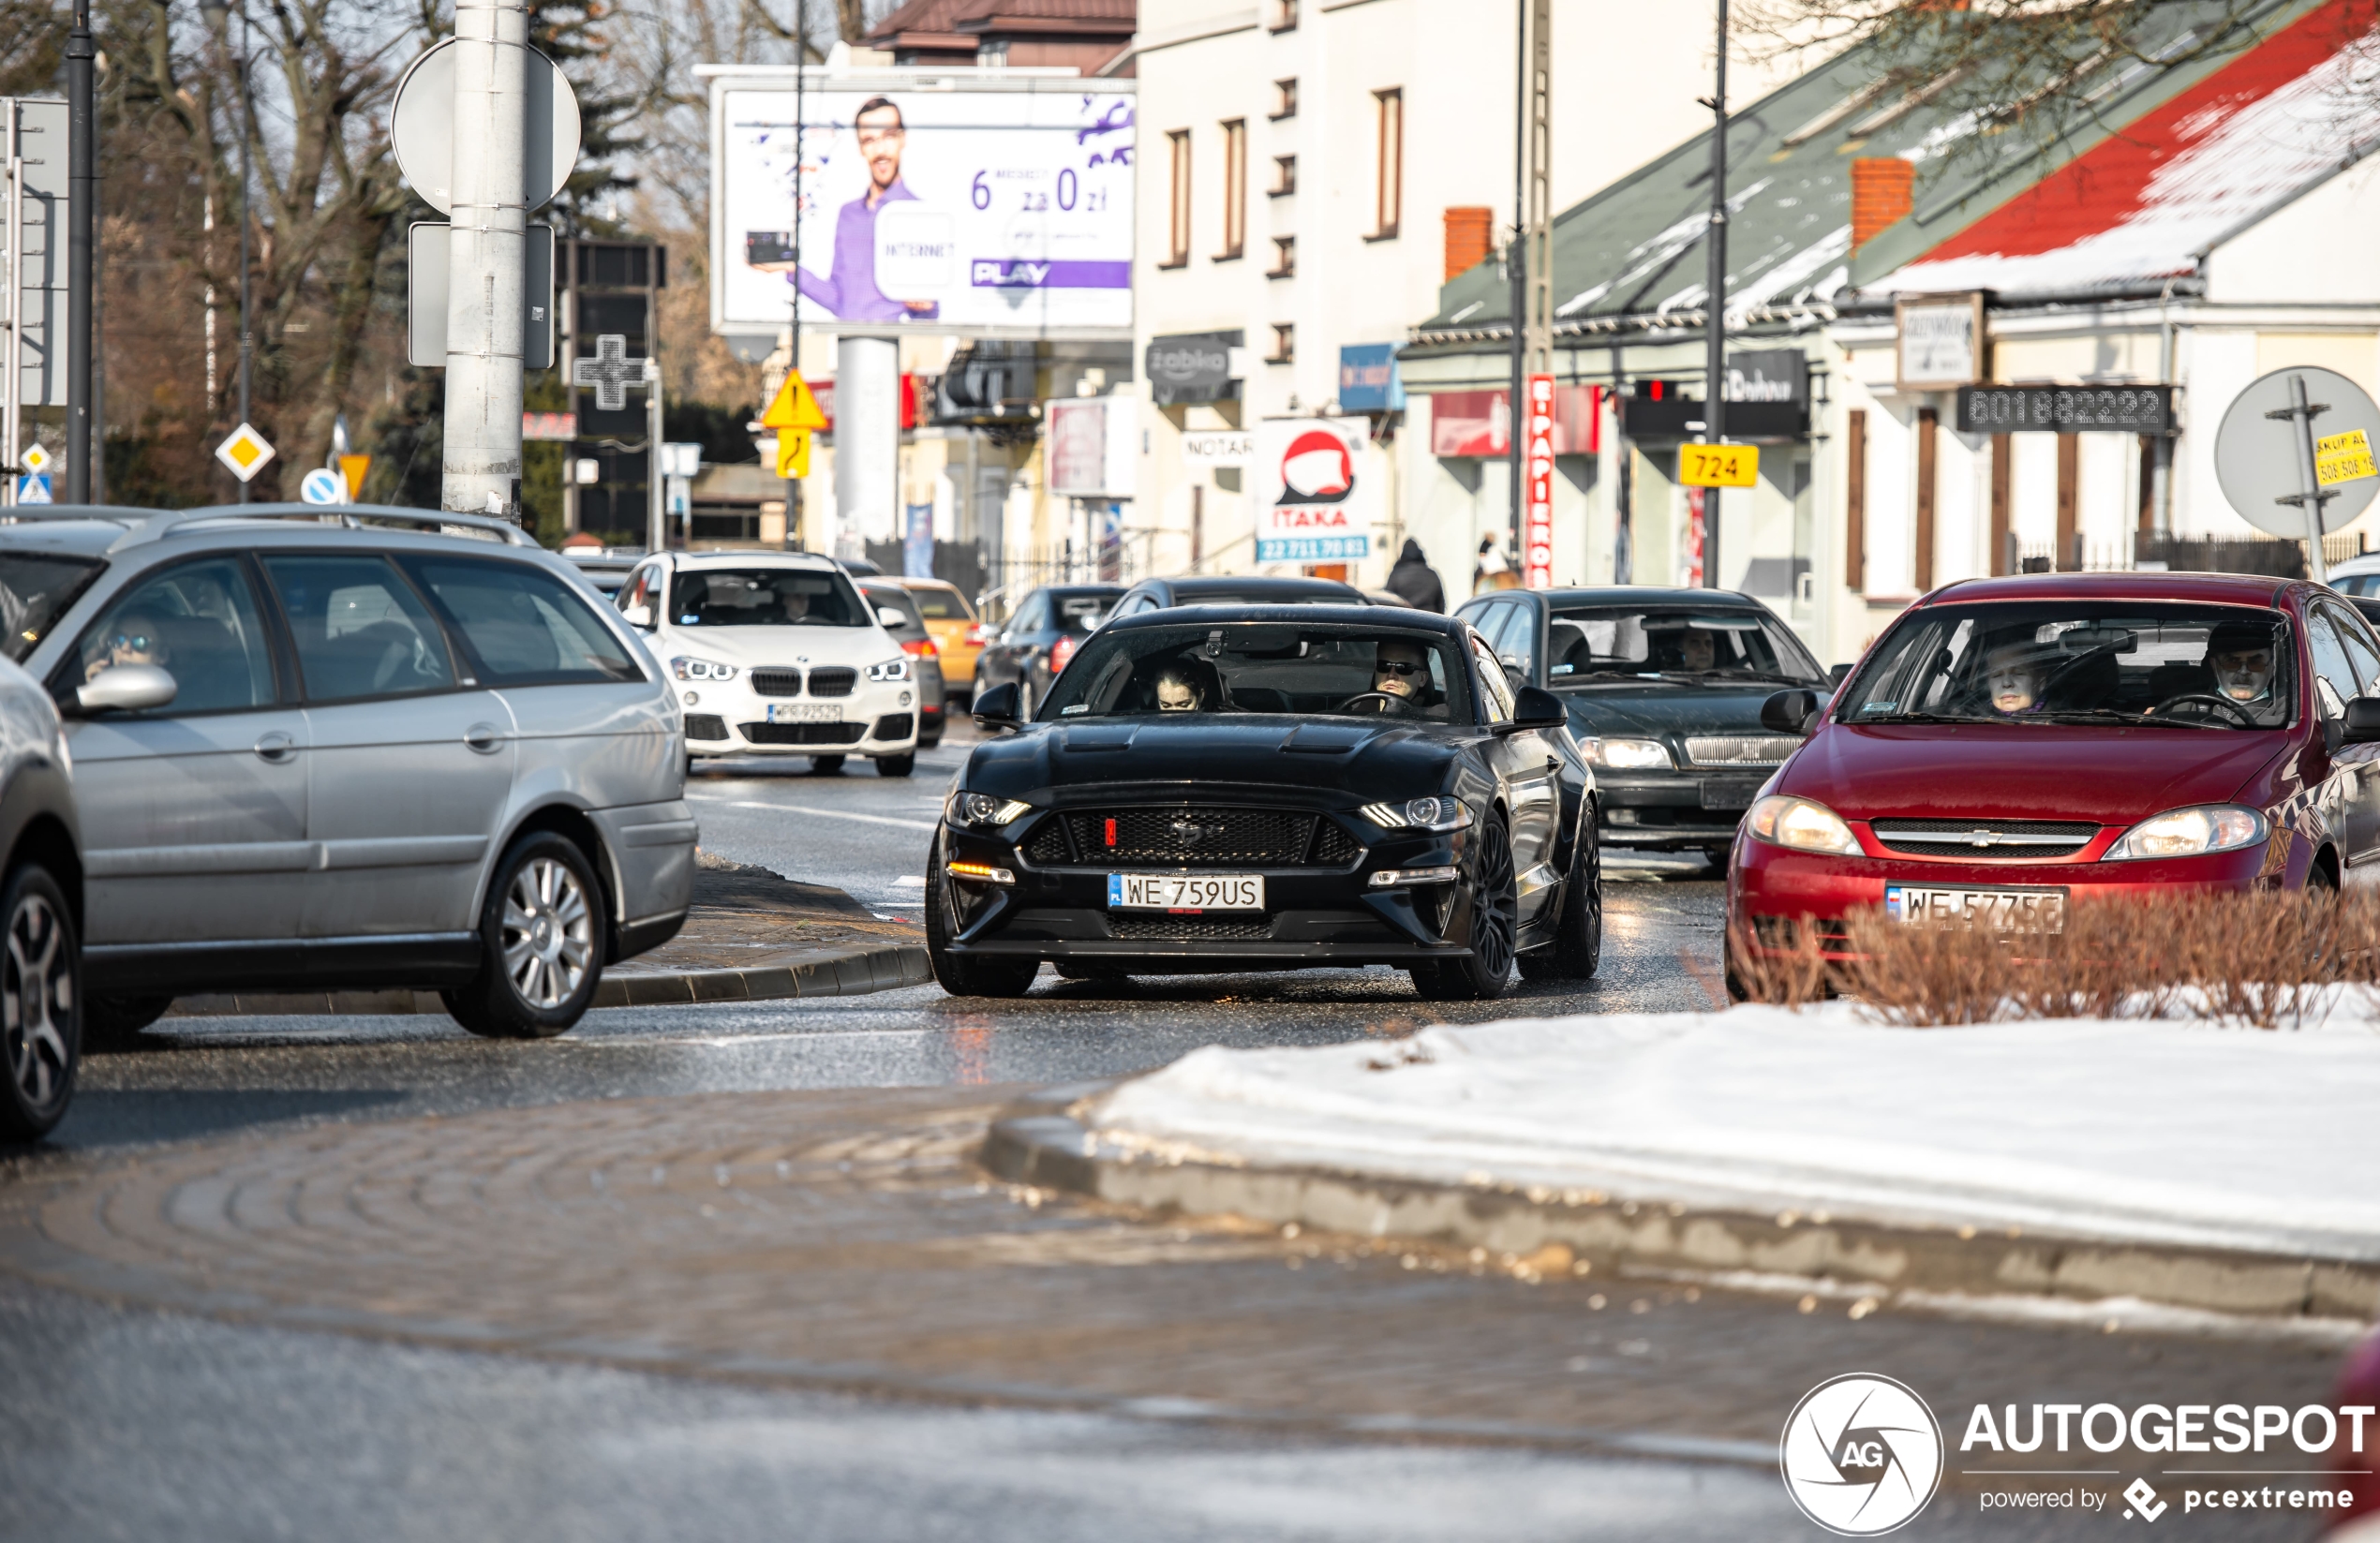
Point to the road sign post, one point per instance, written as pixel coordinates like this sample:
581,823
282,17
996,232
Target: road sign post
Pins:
2322,477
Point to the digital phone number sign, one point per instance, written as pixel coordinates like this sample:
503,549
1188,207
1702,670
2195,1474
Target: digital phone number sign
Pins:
2066,409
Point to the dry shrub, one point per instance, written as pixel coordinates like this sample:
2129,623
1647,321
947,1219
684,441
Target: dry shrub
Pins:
1788,977
2261,959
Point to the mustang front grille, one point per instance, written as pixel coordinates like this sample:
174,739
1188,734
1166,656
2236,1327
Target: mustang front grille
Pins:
1190,928
2038,839
1208,838
1740,749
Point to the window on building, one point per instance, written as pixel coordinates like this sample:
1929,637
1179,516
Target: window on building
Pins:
1235,190
1284,344
1285,15
1285,99
1285,258
1284,176
1389,196
1178,207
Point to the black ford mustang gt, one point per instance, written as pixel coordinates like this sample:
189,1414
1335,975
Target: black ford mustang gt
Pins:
1270,787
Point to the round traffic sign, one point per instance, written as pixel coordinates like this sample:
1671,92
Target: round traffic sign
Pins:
323,485
421,128
2256,456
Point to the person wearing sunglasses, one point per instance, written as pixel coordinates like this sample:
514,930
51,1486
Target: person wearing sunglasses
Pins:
135,639
1401,682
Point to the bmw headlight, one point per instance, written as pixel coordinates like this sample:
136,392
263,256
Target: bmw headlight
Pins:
687,668
2191,833
1782,819
982,809
891,669
1436,813
1626,754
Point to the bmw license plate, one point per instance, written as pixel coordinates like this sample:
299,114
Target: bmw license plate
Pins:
805,712
1185,892
1987,909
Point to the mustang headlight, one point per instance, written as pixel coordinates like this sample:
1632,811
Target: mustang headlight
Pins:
2191,833
891,669
1785,820
982,809
1439,813
688,668
1626,754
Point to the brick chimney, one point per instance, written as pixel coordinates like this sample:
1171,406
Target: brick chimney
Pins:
1883,190
1469,232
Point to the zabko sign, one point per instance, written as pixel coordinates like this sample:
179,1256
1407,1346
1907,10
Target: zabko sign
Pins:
1320,490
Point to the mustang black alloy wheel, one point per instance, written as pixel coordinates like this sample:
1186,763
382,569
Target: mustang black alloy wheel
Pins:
1577,947
1494,904
40,1004
964,977
541,944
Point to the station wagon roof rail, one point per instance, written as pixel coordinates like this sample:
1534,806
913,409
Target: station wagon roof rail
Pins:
164,523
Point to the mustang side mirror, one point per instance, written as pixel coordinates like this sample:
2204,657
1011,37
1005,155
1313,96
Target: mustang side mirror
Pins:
997,707
2363,721
132,689
1790,712
640,616
1535,707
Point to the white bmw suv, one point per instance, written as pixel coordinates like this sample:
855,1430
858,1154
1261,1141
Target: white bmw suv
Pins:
777,654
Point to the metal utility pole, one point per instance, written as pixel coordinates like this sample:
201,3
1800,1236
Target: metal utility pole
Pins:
1714,369
247,138
1516,256
82,268
487,258
793,533
2301,412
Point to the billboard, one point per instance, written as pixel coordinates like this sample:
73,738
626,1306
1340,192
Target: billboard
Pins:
1088,446
1319,490
941,201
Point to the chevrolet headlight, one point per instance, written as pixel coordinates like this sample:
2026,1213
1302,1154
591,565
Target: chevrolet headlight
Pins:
687,668
1782,819
982,809
891,669
1626,754
2191,833
1435,813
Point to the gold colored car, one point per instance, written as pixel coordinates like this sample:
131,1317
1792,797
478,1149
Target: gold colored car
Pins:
957,635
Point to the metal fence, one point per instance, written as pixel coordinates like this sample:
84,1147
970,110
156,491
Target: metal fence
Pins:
2275,557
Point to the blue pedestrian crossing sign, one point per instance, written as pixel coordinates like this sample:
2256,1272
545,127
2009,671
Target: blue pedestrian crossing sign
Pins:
323,485
34,489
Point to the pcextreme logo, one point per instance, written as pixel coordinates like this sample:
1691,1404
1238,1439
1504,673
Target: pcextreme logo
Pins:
1861,1454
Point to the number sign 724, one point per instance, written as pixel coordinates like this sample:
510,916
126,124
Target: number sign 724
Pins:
1719,466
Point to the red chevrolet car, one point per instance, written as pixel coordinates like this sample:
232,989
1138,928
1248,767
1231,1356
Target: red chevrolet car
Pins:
2013,744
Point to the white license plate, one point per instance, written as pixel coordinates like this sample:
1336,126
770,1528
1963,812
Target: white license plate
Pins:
1991,909
804,712
1185,892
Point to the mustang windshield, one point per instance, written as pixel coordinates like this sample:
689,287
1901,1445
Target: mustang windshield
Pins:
2063,662
1264,667
1615,643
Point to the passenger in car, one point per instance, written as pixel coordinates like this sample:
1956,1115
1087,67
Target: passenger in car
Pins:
1179,691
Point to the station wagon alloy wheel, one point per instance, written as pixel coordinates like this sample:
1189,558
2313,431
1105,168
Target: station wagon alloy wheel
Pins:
39,1006
548,933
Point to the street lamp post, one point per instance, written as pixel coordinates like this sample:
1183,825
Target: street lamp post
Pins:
82,269
1714,331
218,15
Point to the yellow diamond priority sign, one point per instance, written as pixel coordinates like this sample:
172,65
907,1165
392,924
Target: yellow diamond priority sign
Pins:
244,451
36,459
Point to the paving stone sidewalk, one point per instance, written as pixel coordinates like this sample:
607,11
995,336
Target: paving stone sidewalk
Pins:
753,935
851,1239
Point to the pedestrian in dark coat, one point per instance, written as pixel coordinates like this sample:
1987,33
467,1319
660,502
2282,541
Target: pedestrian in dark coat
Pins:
1413,581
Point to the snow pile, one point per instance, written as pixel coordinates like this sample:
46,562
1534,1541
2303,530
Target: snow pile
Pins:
2144,1130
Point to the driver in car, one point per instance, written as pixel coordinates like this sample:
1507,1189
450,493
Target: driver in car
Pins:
1401,682
134,639
2012,678
2240,655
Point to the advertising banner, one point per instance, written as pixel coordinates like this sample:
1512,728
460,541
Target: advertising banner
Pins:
1537,481
1319,489
992,210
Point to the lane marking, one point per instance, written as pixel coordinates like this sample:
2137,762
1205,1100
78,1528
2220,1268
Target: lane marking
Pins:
831,814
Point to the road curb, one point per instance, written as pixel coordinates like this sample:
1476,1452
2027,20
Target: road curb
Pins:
1040,1142
808,973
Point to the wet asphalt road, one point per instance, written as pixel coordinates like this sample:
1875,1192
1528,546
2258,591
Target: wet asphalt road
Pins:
121,1422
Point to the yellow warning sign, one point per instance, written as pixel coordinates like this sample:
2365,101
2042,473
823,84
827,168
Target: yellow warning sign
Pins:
245,450
792,453
794,407
36,459
1719,466
354,469
2343,458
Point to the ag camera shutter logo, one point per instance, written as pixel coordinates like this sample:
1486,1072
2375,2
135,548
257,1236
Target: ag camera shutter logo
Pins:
1861,1454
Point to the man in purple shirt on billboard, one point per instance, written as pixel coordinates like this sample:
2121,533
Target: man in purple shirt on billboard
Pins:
849,291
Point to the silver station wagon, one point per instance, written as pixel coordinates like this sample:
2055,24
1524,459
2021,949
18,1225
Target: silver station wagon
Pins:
351,753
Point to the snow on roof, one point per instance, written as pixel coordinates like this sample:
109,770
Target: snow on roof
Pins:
2149,202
